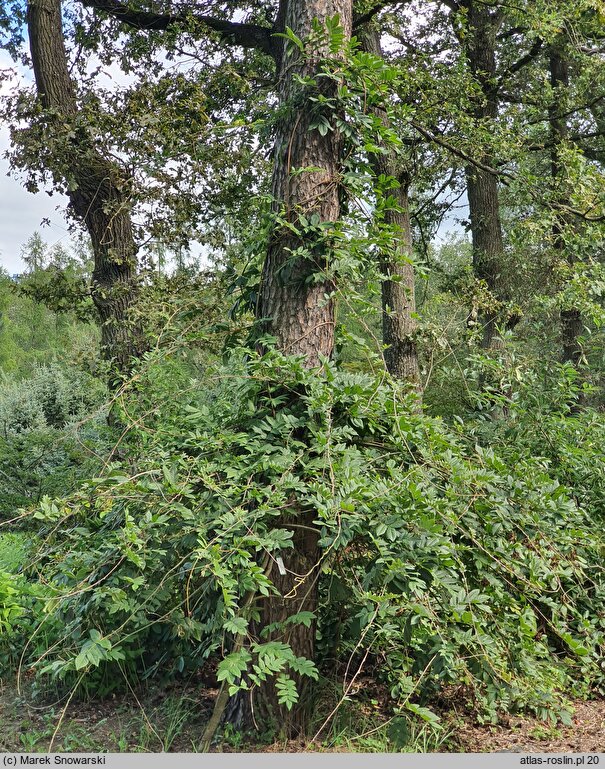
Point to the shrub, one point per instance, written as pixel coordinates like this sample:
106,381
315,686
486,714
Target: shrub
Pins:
449,564
54,396
43,449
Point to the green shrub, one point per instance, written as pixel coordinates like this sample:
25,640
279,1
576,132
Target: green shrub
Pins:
53,396
14,547
21,601
449,564
43,449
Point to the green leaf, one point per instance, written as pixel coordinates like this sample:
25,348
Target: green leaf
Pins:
232,667
287,693
424,713
236,625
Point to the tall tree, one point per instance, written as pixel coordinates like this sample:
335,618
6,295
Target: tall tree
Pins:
297,307
571,318
295,303
479,45
397,284
98,188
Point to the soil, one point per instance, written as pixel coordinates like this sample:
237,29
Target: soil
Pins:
171,719
528,735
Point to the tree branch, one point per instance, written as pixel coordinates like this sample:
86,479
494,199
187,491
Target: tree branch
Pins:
522,62
453,5
575,138
511,33
231,32
459,153
571,111
364,18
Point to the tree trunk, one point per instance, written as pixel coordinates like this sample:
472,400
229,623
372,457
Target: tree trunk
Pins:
398,296
296,305
571,319
482,186
99,190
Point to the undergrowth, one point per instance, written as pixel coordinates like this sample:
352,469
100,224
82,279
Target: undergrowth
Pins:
446,558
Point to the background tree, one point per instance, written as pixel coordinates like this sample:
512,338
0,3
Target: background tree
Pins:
98,188
396,259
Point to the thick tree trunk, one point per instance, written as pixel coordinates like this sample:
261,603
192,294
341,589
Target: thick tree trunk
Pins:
297,309
297,592
398,294
296,303
482,186
100,198
571,319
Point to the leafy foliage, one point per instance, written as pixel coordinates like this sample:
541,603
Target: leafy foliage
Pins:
448,563
460,545
42,449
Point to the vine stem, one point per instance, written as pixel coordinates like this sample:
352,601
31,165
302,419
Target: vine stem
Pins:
223,694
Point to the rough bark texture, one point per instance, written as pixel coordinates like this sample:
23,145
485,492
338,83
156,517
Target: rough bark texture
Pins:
101,195
398,296
297,591
297,307
297,310
571,319
482,186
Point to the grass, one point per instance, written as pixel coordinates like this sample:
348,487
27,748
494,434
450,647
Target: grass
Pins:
154,721
159,721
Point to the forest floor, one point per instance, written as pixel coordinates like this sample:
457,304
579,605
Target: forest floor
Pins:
172,720
528,735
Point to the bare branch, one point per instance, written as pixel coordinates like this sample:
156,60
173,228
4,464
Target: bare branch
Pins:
364,18
459,153
575,138
232,33
511,33
453,5
568,113
522,62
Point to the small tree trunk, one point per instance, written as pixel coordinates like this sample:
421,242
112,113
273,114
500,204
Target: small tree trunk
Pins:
397,286
99,191
571,330
482,186
398,297
571,319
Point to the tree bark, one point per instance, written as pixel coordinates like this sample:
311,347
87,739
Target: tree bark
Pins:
99,191
482,186
296,306
571,319
397,286
295,302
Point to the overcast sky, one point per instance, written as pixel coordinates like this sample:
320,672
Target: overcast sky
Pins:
21,213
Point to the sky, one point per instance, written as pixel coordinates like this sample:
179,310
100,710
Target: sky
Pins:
21,212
